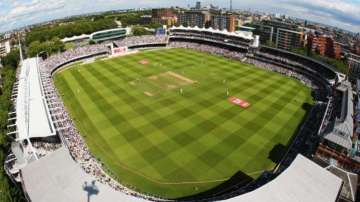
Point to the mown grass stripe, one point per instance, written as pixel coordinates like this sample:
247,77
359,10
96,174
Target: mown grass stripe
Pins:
171,142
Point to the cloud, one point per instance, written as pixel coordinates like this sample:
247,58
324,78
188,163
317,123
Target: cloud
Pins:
339,10
22,12
341,13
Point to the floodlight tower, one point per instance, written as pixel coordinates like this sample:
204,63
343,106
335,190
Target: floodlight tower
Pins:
231,5
20,50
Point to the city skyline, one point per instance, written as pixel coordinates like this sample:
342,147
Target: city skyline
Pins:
18,13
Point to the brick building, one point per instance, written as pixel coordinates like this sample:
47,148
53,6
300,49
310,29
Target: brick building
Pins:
325,46
223,22
357,49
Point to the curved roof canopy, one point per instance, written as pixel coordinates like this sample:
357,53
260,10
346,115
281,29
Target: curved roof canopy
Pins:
244,35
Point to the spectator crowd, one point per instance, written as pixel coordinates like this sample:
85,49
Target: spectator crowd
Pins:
141,40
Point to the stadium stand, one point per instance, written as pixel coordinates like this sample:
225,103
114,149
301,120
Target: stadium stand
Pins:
350,180
237,40
339,145
314,74
30,125
342,130
142,41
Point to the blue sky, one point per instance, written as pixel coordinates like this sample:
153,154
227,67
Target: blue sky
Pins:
341,13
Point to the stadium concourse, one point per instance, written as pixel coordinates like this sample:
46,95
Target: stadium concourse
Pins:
58,166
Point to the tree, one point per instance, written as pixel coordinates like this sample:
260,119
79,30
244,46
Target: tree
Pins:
52,46
270,43
139,30
12,59
8,74
130,19
34,48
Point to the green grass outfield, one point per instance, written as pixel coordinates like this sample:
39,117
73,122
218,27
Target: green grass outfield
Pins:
174,144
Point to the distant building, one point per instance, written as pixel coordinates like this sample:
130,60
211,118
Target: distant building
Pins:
242,20
223,22
194,18
145,19
289,39
161,12
354,65
163,16
5,47
337,50
325,46
231,25
357,49
265,32
198,5
279,34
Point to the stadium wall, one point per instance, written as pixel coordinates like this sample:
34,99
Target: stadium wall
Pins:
69,62
331,70
147,46
241,48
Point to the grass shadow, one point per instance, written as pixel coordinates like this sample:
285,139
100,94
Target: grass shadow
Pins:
238,180
277,153
308,108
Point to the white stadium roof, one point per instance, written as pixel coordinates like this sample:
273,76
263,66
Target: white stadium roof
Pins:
58,178
32,114
75,38
303,181
241,34
343,129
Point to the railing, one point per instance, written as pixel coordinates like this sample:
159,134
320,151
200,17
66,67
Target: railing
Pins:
325,117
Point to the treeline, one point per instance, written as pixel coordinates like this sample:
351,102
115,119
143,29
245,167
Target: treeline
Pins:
130,19
69,29
47,38
49,47
139,31
8,191
340,65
